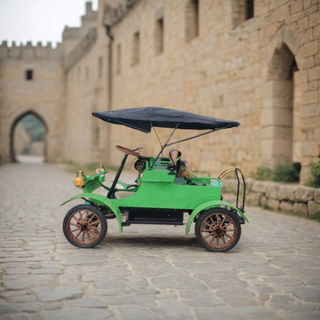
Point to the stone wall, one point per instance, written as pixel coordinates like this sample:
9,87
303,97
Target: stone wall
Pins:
42,95
262,72
207,58
86,67
292,198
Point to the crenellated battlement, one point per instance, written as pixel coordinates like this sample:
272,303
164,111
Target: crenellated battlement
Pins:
73,38
29,51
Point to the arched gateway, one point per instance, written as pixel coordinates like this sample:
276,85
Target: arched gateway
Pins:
22,143
280,107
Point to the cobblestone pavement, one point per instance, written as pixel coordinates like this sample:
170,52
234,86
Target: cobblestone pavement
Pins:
147,272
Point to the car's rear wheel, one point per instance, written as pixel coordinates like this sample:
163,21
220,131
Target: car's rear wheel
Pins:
84,226
218,229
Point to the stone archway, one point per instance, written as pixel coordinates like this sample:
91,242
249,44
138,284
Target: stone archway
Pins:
14,145
279,118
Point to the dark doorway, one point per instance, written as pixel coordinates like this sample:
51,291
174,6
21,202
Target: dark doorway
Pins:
28,139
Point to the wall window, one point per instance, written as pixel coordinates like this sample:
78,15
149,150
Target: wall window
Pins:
29,74
159,36
192,19
100,67
242,10
119,59
136,48
249,9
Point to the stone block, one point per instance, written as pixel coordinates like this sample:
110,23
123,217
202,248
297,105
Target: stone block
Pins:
249,184
267,116
314,73
280,12
314,19
287,192
310,97
311,208
286,206
260,187
317,195
313,86
304,194
263,201
272,190
311,110
300,208
310,148
310,48
253,199
273,204
317,57
303,24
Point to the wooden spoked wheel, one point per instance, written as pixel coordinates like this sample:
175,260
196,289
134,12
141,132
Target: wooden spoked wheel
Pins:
84,226
218,229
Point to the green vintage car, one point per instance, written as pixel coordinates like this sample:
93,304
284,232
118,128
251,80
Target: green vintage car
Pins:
160,194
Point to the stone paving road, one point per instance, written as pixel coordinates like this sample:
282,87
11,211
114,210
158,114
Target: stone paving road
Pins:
147,272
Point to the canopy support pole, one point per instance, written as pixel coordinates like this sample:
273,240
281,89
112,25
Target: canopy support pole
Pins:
199,135
112,190
166,144
161,145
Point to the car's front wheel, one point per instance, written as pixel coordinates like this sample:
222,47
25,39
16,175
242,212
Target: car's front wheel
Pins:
218,229
84,226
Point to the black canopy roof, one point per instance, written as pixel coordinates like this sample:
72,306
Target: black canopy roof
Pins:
145,118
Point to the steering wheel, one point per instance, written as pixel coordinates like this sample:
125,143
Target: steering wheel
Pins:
128,151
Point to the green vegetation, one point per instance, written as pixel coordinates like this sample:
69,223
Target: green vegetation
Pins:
281,173
34,127
314,179
315,216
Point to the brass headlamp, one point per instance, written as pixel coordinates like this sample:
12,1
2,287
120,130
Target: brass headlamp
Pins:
100,168
79,180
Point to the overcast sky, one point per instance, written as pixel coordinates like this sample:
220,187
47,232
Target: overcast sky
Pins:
39,20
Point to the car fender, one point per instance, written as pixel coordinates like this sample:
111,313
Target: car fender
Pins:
100,200
209,205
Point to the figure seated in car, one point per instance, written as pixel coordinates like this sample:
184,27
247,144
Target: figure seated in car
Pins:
183,167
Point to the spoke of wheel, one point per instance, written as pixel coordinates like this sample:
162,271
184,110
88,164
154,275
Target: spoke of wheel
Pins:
228,224
206,230
88,234
86,216
95,235
93,223
83,236
228,236
213,222
78,234
222,222
95,228
81,216
214,237
91,218
224,241
72,224
209,235
208,224
74,217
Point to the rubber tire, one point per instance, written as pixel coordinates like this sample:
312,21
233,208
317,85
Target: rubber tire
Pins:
103,222
207,213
